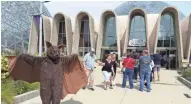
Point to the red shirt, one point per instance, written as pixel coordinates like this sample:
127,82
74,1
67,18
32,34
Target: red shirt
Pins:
129,63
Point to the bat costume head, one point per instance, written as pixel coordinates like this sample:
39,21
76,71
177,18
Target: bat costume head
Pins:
54,73
53,52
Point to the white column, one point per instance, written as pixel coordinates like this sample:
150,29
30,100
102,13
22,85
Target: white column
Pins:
40,35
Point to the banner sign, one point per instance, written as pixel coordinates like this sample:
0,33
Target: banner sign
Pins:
137,42
37,20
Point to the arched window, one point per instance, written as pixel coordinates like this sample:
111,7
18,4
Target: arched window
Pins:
166,36
110,39
137,34
84,44
62,35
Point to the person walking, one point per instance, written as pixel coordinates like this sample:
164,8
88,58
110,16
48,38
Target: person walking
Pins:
89,63
128,64
136,68
157,64
115,64
145,70
107,69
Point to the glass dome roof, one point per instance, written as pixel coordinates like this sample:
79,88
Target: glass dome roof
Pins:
150,7
16,21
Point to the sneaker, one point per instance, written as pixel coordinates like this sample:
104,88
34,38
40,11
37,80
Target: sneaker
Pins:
111,87
131,88
105,88
84,88
123,87
91,89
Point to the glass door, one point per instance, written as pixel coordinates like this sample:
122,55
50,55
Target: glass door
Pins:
171,59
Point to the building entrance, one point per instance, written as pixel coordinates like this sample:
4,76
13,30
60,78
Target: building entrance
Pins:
138,50
169,58
105,52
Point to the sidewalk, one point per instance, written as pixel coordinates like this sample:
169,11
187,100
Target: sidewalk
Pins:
168,91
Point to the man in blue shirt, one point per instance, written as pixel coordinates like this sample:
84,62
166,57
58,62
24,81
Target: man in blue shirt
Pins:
89,63
157,61
145,70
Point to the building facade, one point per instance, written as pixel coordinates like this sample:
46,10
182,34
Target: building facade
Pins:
121,30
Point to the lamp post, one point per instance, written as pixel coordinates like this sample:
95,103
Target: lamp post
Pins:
40,36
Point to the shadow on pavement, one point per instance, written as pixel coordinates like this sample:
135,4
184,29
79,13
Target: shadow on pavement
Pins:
101,86
71,101
135,86
118,85
168,84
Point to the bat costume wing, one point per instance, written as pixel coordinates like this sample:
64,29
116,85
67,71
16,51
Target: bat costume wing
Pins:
27,68
76,78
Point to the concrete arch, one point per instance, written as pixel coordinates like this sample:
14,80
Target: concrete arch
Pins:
179,47
34,31
101,32
47,29
186,36
55,31
76,36
130,16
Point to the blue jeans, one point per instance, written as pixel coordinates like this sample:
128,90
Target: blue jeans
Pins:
136,71
145,73
128,73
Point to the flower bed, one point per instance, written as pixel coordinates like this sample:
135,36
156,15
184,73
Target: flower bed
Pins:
11,88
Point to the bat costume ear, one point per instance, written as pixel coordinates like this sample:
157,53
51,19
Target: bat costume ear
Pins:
61,46
48,44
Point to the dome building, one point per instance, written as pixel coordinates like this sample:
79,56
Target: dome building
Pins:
135,25
15,23
150,7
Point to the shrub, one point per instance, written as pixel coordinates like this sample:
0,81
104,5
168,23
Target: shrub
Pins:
7,91
23,87
9,87
187,73
4,67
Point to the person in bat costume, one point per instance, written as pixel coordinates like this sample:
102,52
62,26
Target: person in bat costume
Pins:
58,76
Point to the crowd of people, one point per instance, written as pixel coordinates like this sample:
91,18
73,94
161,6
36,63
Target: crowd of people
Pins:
135,66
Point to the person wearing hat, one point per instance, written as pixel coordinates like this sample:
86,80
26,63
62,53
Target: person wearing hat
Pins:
89,63
145,70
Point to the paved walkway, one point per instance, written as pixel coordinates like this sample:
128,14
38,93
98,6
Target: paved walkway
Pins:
168,91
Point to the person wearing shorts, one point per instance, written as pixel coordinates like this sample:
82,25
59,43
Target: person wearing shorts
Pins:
107,70
157,64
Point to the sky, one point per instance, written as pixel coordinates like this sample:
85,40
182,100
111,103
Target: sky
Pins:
95,8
